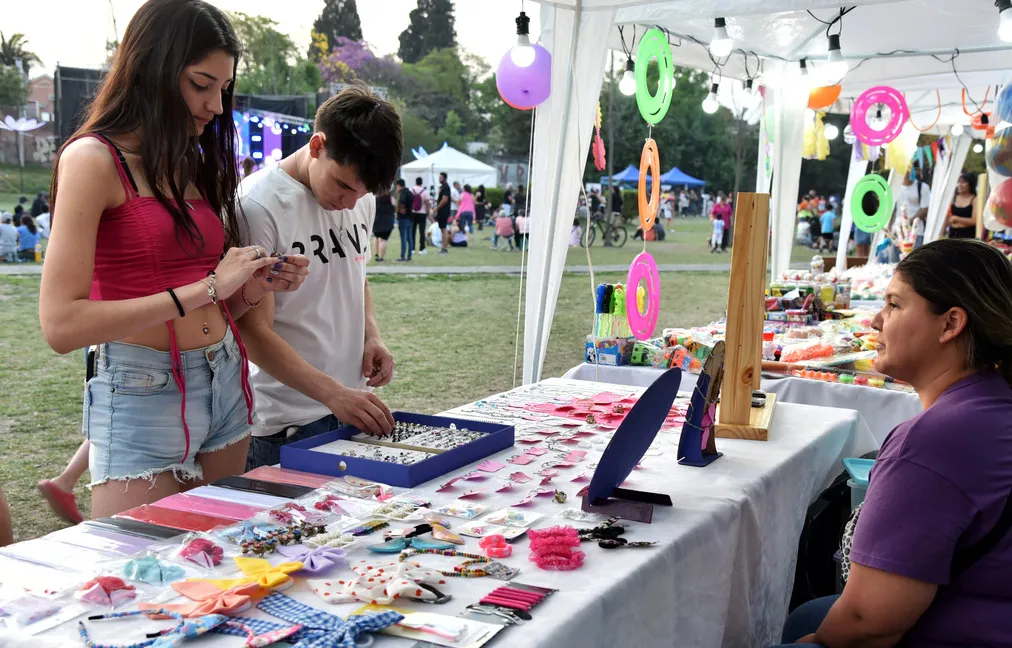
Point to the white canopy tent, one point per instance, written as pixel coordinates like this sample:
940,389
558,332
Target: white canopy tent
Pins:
903,43
459,167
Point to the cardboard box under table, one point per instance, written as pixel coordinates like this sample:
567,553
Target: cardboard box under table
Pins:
301,455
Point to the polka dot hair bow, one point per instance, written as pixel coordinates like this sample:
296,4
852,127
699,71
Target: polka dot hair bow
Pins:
380,583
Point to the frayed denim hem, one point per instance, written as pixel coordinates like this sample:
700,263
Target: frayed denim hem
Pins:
222,446
181,473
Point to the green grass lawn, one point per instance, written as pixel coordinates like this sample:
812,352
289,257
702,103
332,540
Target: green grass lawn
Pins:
686,243
452,338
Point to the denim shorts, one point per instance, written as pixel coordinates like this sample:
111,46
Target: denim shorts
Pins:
132,410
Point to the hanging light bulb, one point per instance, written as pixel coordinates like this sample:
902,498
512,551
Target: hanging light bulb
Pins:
831,131
957,130
1004,20
806,79
978,148
836,67
710,104
627,85
721,43
752,96
522,53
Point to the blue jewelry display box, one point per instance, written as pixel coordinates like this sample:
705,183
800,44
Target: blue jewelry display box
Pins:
301,455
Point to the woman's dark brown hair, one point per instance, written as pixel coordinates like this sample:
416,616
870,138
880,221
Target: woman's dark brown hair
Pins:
974,276
141,94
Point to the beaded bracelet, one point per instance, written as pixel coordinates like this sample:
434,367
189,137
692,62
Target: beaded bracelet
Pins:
461,570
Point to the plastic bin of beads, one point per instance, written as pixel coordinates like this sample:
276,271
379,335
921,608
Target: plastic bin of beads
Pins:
304,456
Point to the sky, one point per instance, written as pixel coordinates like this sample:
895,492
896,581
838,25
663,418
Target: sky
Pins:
74,32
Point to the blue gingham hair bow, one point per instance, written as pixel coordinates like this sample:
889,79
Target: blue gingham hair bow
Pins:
319,629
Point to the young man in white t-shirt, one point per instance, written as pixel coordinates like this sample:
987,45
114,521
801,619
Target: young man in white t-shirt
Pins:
315,353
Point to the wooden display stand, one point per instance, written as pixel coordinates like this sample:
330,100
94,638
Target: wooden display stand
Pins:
736,418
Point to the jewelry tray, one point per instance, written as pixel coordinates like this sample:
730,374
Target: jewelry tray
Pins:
301,455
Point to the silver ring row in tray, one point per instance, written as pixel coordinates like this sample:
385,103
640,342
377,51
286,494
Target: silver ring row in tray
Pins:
373,452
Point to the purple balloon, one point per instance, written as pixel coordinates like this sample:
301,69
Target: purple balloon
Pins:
525,87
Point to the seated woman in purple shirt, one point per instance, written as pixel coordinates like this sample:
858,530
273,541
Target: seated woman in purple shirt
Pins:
931,562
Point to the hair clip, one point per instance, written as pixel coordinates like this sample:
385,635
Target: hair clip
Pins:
369,527
622,543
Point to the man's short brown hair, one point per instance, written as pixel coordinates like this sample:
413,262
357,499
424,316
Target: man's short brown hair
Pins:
362,131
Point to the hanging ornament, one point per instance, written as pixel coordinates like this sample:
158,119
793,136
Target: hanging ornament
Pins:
823,97
650,160
643,268
998,150
598,146
654,45
524,87
979,119
815,144
876,185
869,99
999,204
848,134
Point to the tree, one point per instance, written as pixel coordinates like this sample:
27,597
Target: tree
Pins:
13,89
339,18
415,133
14,52
351,59
430,27
271,63
452,131
437,84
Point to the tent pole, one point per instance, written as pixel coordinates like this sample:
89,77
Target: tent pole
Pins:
540,340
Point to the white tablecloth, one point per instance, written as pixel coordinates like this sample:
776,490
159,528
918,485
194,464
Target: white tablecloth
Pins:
882,409
721,574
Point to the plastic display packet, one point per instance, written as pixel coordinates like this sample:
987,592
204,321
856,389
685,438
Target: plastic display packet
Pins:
108,593
579,515
30,614
338,505
146,567
463,509
87,537
57,555
203,551
298,512
437,629
361,488
401,509
42,582
513,518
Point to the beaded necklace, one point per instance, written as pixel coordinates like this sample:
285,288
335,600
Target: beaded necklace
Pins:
459,571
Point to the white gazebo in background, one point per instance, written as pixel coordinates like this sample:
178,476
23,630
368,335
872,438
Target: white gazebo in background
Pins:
905,44
459,167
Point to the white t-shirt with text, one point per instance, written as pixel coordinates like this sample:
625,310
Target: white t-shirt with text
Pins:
324,320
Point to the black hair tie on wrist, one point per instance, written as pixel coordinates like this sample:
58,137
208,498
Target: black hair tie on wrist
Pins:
179,306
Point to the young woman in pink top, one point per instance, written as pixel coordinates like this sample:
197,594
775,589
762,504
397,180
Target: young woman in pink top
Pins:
142,262
466,210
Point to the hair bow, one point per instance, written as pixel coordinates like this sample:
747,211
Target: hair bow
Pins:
107,591
202,552
319,629
381,583
314,561
260,572
207,598
151,570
